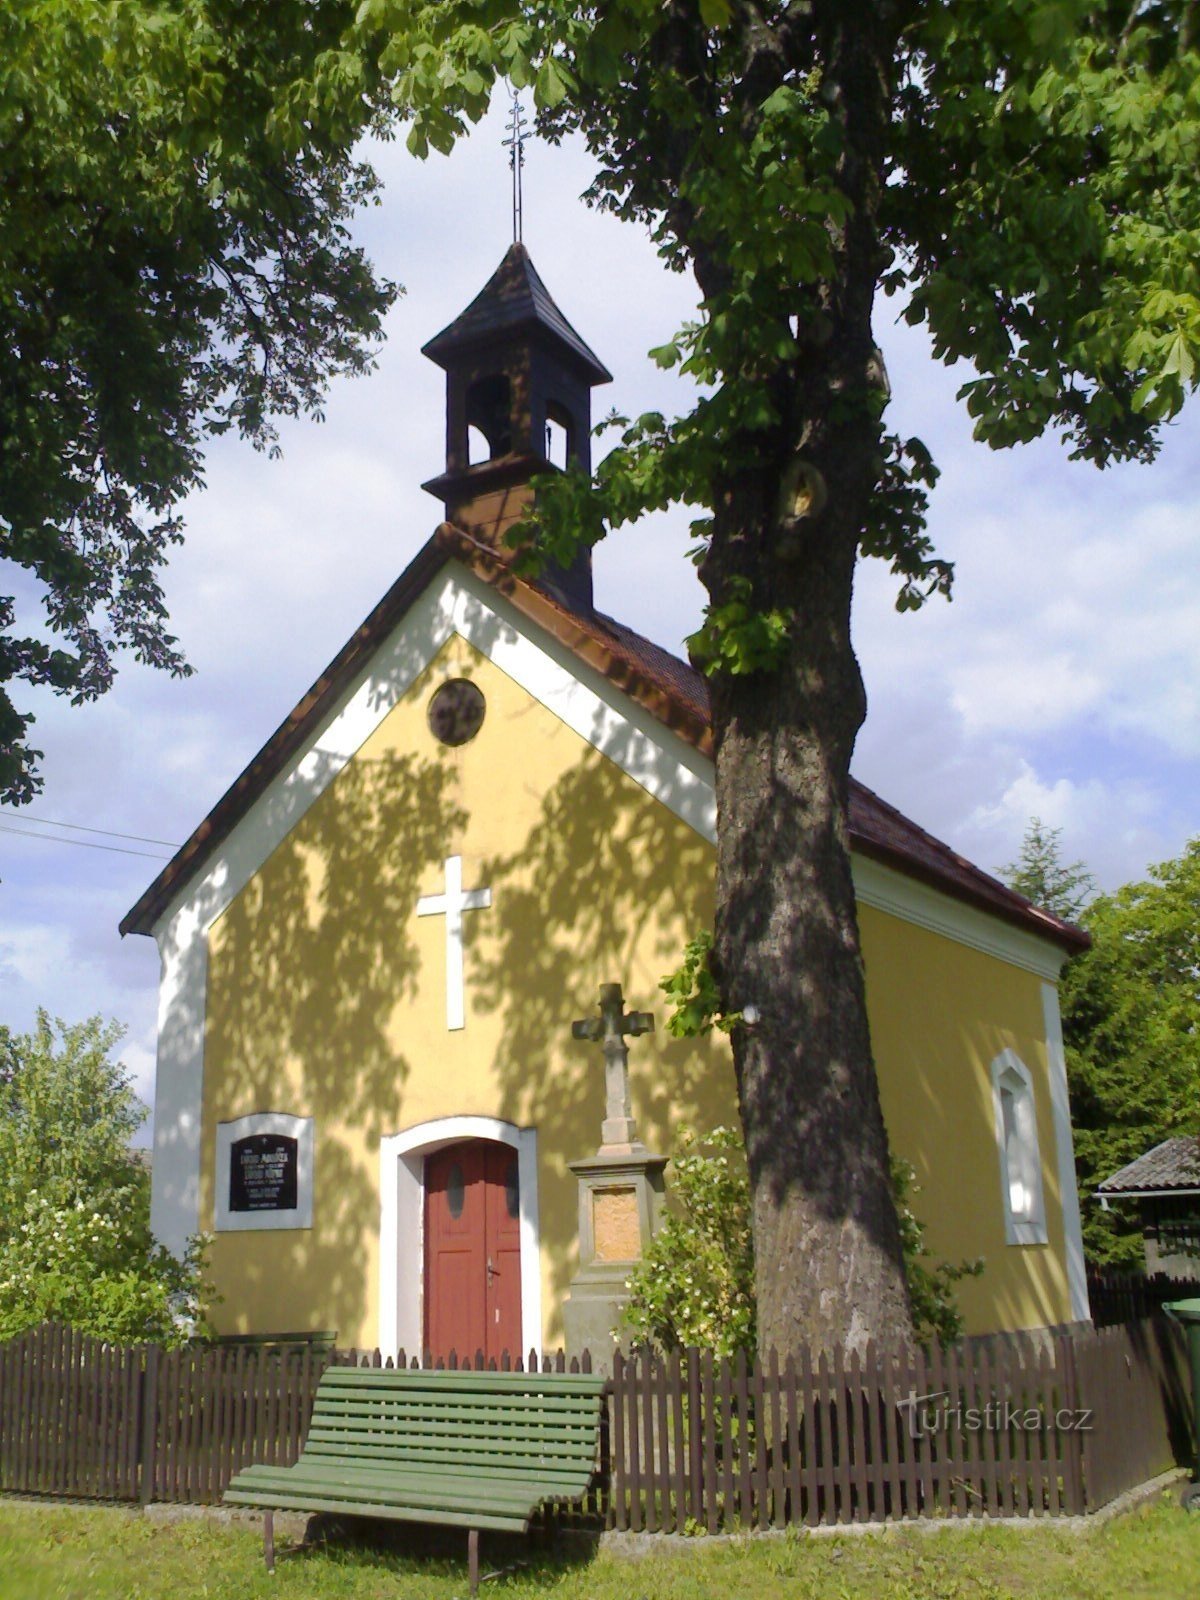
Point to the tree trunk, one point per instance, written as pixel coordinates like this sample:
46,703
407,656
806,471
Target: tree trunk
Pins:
829,1264
829,1268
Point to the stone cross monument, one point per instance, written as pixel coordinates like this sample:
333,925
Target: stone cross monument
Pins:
620,1189
618,1132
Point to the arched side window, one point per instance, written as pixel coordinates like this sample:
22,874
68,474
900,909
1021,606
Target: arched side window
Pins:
1017,1144
489,416
560,435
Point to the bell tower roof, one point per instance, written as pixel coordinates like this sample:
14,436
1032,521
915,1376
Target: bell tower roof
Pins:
519,381
513,301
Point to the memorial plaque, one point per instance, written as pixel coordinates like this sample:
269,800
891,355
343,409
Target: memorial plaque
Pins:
616,1226
264,1173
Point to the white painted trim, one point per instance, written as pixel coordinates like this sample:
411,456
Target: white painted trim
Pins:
1105,1195
655,757
889,890
287,1126
1060,1105
179,1077
451,904
402,1225
1030,1229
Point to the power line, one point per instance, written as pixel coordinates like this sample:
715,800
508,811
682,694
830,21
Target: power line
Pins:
78,827
82,844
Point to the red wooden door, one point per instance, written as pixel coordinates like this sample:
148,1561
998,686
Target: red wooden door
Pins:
472,1251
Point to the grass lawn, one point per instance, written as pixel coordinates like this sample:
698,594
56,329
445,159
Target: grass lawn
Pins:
65,1553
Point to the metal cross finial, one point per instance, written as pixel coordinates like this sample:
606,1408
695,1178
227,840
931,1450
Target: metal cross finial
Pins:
611,1027
515,145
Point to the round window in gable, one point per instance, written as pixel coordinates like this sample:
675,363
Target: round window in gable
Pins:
456,711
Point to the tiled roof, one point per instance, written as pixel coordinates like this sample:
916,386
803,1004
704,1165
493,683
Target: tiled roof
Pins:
674,692
513,297
876,827
1173,1164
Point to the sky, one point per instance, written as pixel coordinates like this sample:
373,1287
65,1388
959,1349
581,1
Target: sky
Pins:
1062,681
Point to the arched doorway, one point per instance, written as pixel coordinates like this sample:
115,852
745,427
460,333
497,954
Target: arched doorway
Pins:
473,1250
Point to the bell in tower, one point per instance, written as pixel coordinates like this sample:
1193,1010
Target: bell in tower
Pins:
517,373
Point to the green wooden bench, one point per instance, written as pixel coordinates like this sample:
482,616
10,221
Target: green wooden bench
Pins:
476,1450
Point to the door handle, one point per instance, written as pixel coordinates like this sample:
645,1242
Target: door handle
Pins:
491,1272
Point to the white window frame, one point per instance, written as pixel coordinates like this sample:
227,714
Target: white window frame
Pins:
286,1126
1011,1075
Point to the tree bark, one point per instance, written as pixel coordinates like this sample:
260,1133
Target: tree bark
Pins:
829,1264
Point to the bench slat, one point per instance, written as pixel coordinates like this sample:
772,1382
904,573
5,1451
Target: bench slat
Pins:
552,1384
408,1489
420,1448
282,1500
552,1469
493,1432
518,1407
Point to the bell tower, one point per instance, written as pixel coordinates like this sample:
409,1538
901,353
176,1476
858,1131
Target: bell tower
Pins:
515,371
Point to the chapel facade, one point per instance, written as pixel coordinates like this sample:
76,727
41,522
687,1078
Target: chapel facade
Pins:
496,799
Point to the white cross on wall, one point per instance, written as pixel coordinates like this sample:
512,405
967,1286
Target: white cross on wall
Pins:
451,905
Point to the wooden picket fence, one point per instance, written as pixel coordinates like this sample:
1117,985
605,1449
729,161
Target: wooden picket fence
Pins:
1014,1425
1021,1426
1129,1296
84,1419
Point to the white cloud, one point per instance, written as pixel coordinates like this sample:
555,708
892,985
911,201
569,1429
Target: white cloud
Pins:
1062,681
1103,823
29,955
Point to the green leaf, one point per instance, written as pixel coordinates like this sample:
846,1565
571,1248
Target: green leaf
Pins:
1180,362
550,87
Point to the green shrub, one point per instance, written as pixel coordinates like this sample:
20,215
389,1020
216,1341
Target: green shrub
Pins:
695,1283
75,1240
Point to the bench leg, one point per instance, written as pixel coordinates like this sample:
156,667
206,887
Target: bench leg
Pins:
269,1540
473,1558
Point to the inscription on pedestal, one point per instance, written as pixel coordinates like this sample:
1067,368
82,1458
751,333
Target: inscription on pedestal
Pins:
264,1172
616,1228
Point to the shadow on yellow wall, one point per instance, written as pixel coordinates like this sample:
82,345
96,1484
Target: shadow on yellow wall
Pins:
607,886
307,970
941,1012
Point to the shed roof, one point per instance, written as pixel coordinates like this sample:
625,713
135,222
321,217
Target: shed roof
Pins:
1173,1165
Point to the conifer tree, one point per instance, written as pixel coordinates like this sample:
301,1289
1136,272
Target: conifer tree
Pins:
1042,876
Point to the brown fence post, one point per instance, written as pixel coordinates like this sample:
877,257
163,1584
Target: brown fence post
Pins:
1072,1443
149,1422
617,1493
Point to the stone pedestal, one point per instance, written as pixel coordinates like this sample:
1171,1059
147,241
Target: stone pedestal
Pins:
620,1201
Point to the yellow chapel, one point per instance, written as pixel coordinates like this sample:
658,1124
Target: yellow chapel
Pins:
495,799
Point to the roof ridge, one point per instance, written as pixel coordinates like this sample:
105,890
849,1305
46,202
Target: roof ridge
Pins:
670,689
